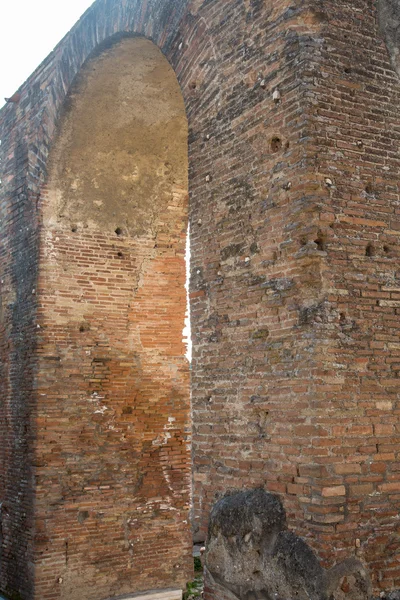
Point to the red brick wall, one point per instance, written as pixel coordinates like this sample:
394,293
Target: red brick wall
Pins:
96,461
18,268
298,388
357,113
294,380
112,449
253,365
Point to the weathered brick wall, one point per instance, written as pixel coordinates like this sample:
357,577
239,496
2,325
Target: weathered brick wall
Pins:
18,275
96,461
356,96
253,361
293,122
304,380
294,377
112,451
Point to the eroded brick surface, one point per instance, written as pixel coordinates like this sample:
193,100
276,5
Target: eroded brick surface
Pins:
293,161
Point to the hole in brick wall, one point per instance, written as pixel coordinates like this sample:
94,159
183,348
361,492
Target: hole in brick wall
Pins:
347,70
74,228
276,144
120,254
342,317
82,516
386,249
193,85
320,242
369,188
118,231
370,250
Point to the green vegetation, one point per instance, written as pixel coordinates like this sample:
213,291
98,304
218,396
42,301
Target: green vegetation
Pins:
195,587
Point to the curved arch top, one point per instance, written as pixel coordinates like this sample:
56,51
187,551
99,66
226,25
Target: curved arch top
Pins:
44,94
121,148
113,303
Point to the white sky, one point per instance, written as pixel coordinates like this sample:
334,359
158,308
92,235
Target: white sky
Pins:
29,30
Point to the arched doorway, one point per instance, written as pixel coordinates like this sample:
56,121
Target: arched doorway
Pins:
113,445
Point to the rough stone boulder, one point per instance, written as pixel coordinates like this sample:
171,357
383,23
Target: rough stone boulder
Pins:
251,555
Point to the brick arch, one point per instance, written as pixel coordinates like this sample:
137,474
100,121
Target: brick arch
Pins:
46,103
292,155
112,304
167,24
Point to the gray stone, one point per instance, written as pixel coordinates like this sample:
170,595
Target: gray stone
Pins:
252,555
392,595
